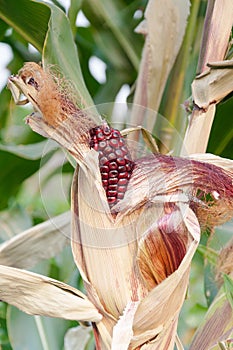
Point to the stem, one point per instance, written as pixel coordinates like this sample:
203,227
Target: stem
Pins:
216,34
41,332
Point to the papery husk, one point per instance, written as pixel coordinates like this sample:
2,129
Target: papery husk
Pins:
40,295
40,242
168,295
100,244
106,249
208,188
106,256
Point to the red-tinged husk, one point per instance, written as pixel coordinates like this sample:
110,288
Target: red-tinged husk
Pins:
207,187
163,247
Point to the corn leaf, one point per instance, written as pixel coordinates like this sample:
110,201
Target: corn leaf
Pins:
39,295
217,30
37,243
164,29
29,18
47,28
228,287
31,151
217,325
42,332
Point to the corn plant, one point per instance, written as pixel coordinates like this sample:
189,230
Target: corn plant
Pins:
142,198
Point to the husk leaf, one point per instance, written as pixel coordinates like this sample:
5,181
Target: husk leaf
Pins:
105,249
39,295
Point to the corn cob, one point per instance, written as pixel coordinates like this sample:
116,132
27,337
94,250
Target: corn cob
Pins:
115,162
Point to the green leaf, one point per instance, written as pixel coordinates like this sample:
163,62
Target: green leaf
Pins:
228,287
111,13
14,170
221,137
3,28
59,49
208,253
14,220
35,332
32,151
75,6
47,28
29,18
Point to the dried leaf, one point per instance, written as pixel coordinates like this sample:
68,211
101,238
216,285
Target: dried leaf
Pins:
212,87
39,295
208,89
197,134
123,330
217,325
164,29
217,30
37,243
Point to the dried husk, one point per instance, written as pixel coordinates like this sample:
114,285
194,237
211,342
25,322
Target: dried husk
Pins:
123,274
51,100
40,295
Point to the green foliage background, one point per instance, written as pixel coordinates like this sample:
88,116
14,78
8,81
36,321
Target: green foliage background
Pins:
32,169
